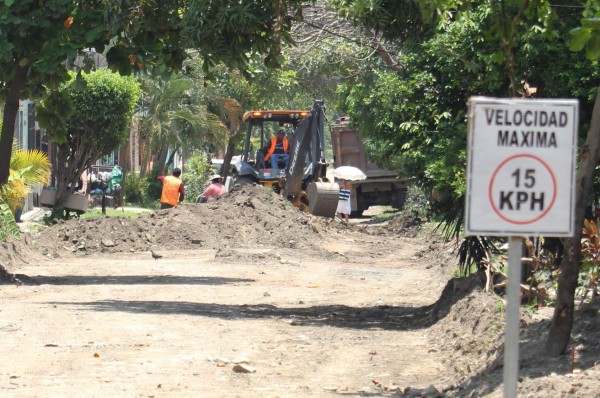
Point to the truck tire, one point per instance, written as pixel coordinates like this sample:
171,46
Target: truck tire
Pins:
360,204
399,198
357,213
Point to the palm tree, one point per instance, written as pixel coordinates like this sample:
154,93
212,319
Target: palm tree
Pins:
231,115
27,168
174,116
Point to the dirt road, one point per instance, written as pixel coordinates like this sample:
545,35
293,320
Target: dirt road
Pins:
129,325
253,298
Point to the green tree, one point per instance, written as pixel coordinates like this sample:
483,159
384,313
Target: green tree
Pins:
27,168
174,117
228,94
234,33
195,178
189,112
585,37
94,120
480,48
38,36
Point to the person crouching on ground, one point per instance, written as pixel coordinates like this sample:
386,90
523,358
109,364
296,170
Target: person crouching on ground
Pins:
173,191
214,190
344,207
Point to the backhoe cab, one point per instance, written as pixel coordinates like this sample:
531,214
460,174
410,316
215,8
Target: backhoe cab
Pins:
303,179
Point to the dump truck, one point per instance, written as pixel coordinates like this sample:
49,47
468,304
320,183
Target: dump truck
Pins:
303,178
382,186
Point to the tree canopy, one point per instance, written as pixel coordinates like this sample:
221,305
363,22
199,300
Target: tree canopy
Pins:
415,119
95,120
37,37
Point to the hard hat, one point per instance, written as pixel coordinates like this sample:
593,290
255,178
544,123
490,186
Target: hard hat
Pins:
215,177
281,132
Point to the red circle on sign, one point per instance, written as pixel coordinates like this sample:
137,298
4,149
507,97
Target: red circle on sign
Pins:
497,211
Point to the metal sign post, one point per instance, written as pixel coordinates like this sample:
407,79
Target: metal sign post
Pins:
511,329
520,182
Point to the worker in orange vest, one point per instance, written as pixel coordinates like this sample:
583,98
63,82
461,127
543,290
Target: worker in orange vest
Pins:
278,150
173,192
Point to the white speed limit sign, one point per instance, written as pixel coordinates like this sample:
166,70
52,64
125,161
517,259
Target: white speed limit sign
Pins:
521,167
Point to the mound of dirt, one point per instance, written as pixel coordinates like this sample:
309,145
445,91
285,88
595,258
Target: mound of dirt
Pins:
407,225
465,324
252,216
468,326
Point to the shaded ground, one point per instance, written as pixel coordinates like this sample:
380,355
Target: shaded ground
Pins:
316,308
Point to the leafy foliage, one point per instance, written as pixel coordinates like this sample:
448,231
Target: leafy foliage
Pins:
8,225
471,253
31,34
37,36
97,115
416,202
196,176
14,192
590,250
174,112
27,168
135,188
31,165
153,185
415,121
396,19
87,122
587,36
233,32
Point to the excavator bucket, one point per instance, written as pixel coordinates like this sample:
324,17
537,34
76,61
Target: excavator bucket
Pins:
323,198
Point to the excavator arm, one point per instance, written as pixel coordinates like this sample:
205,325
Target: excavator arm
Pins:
307,150
306,183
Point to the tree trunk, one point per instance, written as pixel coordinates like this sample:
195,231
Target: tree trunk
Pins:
562,320
11,107
145,155
160,159
72,162
227,159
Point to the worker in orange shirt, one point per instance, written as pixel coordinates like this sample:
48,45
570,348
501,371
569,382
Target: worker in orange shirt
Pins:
278,150
173,192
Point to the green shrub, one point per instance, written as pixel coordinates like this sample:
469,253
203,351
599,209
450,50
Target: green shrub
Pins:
135,188
8,226
195,178
153,186
416,202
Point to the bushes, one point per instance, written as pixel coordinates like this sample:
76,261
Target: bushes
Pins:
153,186
8,226
195,177
147,190
135,187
